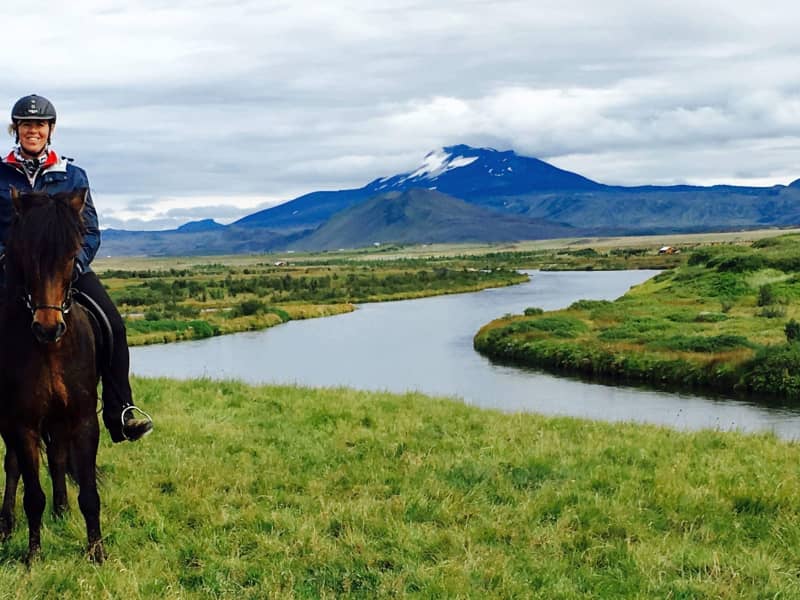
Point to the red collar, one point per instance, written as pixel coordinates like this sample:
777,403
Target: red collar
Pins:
52,158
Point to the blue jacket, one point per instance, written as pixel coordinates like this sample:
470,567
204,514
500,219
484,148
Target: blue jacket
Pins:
56,175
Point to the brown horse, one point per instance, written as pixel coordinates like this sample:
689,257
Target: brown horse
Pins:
48,373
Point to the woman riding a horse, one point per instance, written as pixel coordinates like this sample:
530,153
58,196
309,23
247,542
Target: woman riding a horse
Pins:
32,166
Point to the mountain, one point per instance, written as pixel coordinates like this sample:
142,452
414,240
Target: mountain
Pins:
419,216
461,171
472,173
305,212
462,193
202,225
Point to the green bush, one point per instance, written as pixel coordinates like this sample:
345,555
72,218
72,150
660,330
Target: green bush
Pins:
775,370
773,312
533,310
589,304
766,295
701,343
792,330
558,326
202,329
710,317
249,308
740,264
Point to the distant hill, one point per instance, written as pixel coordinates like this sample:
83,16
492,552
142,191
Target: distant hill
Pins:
203,225
462,193
419,216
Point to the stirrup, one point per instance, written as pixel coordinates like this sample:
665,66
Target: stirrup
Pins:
122,418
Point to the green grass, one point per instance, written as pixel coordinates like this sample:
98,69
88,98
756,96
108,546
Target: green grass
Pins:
284,492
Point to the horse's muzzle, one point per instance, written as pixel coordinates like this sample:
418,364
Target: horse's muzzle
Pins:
48,335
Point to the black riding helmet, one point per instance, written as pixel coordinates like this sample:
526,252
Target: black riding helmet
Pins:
33,108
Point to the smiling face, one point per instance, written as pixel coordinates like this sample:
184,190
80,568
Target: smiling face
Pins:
33,136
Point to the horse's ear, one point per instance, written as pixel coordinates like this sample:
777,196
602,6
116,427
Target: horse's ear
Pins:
15,199
77,199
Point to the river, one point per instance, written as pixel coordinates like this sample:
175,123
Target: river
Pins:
426,345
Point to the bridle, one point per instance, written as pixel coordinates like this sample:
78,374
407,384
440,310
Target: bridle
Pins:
63,308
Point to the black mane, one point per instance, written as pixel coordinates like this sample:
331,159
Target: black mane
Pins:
45,233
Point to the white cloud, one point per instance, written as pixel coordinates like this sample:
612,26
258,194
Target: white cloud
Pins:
204,104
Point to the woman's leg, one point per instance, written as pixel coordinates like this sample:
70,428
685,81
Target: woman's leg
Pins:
114,373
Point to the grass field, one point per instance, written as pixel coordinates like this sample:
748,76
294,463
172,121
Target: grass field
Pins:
283,492
423,251
718,321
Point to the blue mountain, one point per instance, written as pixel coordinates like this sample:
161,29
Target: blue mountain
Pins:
461,171
457,192
468,173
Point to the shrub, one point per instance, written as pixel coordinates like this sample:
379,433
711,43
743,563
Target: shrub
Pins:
563,327
249,308
202,329
775,370
739,264
710,317
589,304
766,295
773,312
702,343
792,331
533,310
699,257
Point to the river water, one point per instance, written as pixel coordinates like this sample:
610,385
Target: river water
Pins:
426,345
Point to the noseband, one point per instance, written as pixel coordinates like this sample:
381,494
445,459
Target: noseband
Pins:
64,308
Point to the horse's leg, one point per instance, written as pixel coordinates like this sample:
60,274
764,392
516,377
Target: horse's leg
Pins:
27,448
57,463
10,494
84,445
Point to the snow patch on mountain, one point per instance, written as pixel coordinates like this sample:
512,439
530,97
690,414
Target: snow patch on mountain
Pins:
437,162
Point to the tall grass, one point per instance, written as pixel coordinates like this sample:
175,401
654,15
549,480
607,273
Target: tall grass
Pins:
284,492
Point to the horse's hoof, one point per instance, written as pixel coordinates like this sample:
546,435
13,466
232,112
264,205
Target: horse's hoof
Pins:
97,553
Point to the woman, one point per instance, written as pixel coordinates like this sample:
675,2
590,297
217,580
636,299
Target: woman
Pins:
33,166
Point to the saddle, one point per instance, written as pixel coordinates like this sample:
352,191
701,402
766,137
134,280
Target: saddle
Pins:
104,338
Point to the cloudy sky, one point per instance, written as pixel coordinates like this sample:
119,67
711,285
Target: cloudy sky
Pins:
218,108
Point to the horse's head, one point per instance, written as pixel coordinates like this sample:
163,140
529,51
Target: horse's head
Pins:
44,239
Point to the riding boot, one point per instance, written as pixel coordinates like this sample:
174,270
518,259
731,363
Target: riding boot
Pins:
123,425
118,407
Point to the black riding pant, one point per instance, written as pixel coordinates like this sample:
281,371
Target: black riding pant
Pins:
114,373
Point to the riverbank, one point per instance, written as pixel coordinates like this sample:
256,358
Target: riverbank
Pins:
253,492
718,322
202,301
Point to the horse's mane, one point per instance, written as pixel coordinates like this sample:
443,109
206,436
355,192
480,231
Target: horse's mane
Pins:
47,231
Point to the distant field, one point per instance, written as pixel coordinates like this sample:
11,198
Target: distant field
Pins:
102,263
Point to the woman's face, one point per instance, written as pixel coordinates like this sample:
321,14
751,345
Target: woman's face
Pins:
33,136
